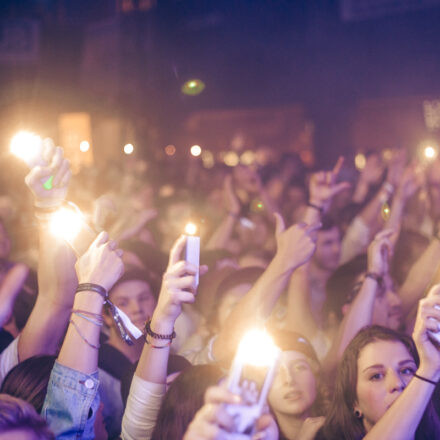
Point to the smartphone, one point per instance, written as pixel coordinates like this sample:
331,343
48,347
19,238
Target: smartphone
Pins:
192,252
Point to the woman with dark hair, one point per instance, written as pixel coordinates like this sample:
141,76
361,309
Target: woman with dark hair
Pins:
298,397
385,382
183,399
29,379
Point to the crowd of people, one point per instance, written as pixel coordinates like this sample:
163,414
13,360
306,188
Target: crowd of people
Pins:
340,267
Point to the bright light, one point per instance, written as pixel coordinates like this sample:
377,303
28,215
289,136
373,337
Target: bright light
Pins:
193,87
231,159
190,229
28,147
257,348
430,152
84,146
128,148
360,161
65,224
248,157
387,155
196,150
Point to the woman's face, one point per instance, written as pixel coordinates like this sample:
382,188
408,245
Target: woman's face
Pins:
384,370
293,391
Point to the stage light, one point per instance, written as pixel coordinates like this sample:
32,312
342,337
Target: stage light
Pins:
193,87
430,152
128,149
66,224
170,150
196,150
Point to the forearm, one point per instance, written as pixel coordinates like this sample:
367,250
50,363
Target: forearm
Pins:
153,362
222,234
420,276
412,404
371,213
361,191
299,316
79,350
254,308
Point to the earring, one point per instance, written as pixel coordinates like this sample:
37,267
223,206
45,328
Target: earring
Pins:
357,414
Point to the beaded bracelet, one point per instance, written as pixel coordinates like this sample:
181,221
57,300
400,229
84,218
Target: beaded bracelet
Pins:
154,335
157,346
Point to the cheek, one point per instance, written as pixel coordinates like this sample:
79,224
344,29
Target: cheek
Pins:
308,385
371,401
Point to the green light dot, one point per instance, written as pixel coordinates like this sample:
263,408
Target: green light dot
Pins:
48,184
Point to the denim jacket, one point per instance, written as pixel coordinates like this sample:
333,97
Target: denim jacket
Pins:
71,403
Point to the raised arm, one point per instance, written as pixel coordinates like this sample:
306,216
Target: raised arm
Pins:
403,417
149,381
360,313
295,246
56,275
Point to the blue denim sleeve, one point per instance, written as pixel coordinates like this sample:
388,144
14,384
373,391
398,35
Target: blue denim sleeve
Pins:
71,403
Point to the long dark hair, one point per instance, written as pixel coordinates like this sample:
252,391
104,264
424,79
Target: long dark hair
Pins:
28,380
183,399
341,422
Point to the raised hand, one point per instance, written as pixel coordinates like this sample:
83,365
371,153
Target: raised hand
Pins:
380,251
178,285
411,181
232,202
101,264
213,422
427,321
323,186
295,245
57,167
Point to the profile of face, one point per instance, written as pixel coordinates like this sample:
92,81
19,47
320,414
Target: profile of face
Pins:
5,242
230,300
328,249
294,388
384,369
135,298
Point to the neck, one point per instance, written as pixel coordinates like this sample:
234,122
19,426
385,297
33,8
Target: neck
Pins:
290,425
319,274
132,352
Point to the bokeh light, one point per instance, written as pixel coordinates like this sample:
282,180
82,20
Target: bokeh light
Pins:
257,348
231,159
196,150
208,159
170,150
360,161
84,146
128,148
65,224
430,152
248,157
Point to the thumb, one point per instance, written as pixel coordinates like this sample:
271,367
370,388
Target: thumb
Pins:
279,224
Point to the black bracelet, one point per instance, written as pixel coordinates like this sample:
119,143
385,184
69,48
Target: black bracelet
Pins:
425,379
376,277
150,332
318,208
90,287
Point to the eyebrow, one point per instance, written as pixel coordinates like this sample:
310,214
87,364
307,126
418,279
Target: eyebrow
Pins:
404,362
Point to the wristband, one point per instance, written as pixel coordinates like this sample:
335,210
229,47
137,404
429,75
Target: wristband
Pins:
154,335
157,346
318,208
90,287
425,379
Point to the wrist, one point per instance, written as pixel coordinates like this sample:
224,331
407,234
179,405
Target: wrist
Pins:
161,324
427,372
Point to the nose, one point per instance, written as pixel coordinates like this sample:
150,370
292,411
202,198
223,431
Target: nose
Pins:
288,376
394,381
135,307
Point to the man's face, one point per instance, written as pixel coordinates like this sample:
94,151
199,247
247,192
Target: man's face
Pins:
134,297
328,249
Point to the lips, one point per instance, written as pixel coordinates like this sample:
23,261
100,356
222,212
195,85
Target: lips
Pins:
293,395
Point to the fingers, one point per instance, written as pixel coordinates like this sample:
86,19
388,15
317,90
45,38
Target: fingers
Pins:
280,226
434,291
48,150
119,252
218,394
176,250
61,172
338,166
